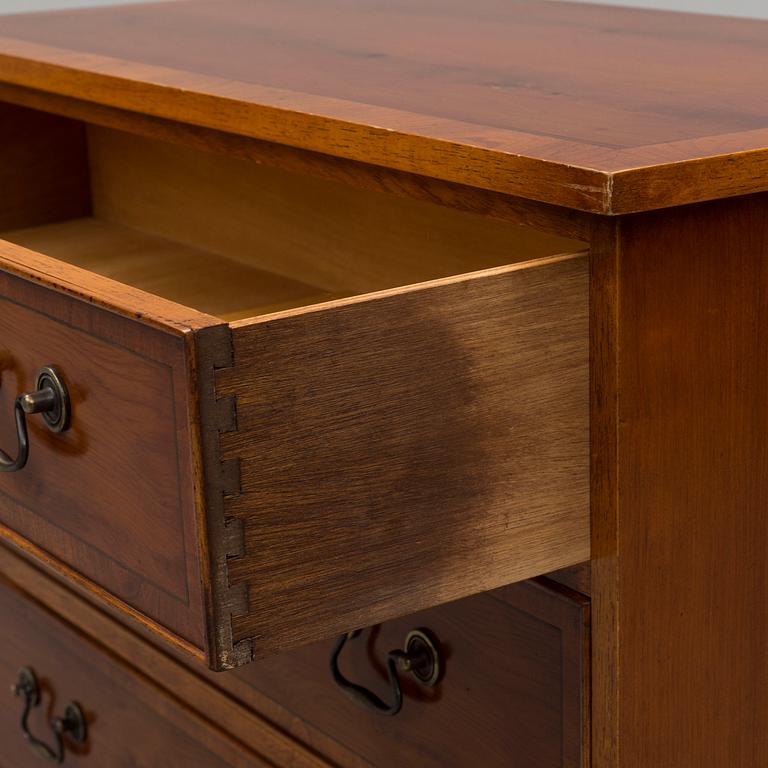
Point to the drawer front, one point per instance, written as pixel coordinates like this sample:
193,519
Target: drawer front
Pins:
110,501
129,721
514,692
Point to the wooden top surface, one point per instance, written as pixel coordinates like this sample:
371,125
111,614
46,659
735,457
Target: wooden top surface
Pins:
602,109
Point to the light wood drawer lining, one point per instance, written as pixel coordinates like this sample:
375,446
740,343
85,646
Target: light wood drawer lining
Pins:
226,235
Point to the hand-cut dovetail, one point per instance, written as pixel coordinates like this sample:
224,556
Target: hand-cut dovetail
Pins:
221,481
234,538
230,477
237,600
226,414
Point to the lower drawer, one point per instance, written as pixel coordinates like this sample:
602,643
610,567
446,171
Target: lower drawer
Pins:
129,721
514,692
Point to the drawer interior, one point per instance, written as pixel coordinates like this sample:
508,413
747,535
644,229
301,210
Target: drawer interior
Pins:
226,235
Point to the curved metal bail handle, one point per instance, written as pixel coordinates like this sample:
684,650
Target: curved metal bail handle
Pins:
41,749
27,687
362,696
7,464
51,399
73,722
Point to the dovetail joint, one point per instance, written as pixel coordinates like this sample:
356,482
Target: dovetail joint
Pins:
226,537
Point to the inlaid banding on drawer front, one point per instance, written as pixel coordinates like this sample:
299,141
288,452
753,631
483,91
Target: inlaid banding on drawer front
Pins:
51,493
110,499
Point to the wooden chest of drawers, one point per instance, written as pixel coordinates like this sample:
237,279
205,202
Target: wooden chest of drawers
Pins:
325,323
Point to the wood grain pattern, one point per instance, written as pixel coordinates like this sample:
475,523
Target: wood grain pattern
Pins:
154,185
359,498
220,479
604,425
179,676
131,721
515,691
333,237
461,93
134,534
117,298
43,171
687,540
236,240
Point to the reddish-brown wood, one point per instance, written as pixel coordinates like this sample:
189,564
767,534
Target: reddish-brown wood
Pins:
144,541
603,309
515,690
185,683
356,174
604,110
112,497
513,97
680,576
577,577
516,683
130,720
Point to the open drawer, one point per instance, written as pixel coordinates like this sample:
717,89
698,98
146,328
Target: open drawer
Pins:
296,409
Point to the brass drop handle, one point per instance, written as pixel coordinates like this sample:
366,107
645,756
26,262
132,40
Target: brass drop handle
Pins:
51,399
421,658
72,724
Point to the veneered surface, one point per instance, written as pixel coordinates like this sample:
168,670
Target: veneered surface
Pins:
577,102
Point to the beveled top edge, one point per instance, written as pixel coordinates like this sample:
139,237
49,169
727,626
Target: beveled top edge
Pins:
574,173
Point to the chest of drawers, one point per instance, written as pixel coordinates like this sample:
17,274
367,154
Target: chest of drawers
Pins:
364,317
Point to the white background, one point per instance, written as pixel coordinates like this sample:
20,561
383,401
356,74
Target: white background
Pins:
754,8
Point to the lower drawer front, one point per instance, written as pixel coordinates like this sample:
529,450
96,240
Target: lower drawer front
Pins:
513,695
130,722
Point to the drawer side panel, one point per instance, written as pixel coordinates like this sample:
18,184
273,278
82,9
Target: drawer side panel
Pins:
406,449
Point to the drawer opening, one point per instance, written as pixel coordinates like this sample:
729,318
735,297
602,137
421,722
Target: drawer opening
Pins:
226,235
